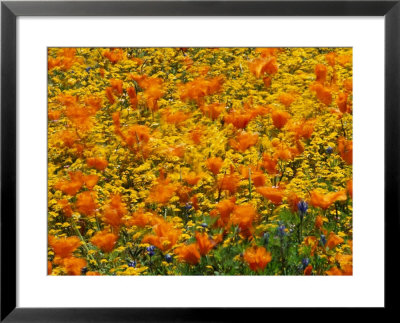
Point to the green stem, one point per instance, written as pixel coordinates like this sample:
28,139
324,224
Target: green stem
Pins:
83,241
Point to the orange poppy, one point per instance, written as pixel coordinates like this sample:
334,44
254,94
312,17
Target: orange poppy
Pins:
324,94
269,164
85,203
225,208
90,180
74,266
138,134
239,119
162,191
257,258
331,58
324,201
192,178
49,268
196,135
214,164
243,141
54,114
93,273
67,209
165,236
97,162
333,240
320,73
132,97
345,148
287,99
72,186
114,211
334,271
341,102
65,246
189,254
141,218
109,94
229,183
114,55
104,240
349,187
204,243
68,137
293,200
279,118
175,118
243,216
274,194
117,86
308,270
348,85
260,66
213,110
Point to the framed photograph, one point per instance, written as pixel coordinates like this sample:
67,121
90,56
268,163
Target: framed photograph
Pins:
187,160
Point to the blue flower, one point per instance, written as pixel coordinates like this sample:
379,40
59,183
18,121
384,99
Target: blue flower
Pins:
204,225
84,270
188,206
329,150
281,230
132,264
168,258
150,250
323,239
302,206
88,69
305,262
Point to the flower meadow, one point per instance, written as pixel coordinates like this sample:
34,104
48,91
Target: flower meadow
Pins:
200,161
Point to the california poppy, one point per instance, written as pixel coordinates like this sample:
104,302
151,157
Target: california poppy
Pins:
257,258
189,253
243,141
104,240
333,240
86,203
274,194
214,164
279,118
345,148
204,243
97,162
65,246
324,201
165,236
74,266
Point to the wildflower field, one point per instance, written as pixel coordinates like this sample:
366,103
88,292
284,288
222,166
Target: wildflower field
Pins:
200,161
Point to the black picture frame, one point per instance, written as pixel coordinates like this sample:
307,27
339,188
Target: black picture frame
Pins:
10,10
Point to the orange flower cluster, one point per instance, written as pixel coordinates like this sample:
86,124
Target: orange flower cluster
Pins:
274,194
345,148
165,235
199,88
114,55
162,191
280,118
104,240
153,89
324,201
114,211
257,258
65,59
213,110
243,141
